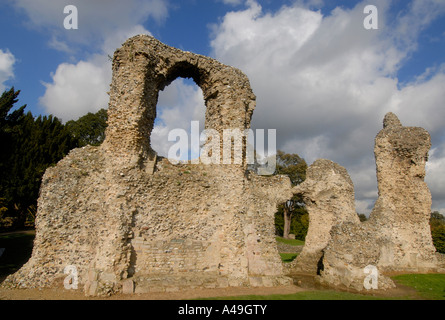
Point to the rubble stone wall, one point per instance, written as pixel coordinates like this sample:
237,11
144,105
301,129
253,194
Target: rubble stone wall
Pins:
131,221
397,236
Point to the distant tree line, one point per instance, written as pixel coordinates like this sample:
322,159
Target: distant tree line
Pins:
29,145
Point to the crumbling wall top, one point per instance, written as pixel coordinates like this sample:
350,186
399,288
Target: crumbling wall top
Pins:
142,67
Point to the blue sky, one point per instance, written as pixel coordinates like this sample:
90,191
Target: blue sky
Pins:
321,79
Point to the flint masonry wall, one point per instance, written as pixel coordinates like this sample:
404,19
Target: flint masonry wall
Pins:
328,192
131,221
396,237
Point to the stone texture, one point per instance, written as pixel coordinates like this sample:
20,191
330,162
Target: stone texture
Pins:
129,220
403,208
396,237
329,196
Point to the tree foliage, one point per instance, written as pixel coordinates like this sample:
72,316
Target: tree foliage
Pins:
295,168
28,146
89,129
437,223
291,165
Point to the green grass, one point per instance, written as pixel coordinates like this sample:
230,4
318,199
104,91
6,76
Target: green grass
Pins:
288,257
428,286
306,295
290,241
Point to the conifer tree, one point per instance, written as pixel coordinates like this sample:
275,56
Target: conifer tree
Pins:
29,146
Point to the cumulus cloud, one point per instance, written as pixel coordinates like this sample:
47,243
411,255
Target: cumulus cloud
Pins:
7,61
325,82
435,171
76,90
179,104
97,19
81,87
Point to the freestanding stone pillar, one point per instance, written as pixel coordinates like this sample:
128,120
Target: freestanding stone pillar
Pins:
396,237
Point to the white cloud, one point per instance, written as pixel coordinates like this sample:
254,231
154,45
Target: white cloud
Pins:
179,104
79,88
7,61
325,82
97,19
435,173
76,90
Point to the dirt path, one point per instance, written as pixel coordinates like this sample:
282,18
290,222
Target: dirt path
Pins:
401,292
61,294
303,283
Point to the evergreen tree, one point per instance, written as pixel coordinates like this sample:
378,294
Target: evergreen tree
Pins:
29,146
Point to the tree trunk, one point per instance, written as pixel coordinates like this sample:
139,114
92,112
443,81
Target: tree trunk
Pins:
287,220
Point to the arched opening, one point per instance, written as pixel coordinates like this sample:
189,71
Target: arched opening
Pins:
180,105
291,217
291,226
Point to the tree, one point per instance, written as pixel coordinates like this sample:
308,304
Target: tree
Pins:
89,129
29,146
362,217
437,223
291,165
295,168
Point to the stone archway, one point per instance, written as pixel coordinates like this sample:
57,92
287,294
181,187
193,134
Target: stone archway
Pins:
129,221
142,67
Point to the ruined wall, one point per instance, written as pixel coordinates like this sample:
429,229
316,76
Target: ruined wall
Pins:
396,237
329,196
141,68
129,220
403,208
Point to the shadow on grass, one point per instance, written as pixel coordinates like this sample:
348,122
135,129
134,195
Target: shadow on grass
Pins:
17,251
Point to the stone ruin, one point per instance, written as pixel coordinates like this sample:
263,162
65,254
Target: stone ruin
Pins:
395,238
130,221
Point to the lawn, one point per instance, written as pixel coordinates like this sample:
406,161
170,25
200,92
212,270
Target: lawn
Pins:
428,286
306,295
288,257
290,241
